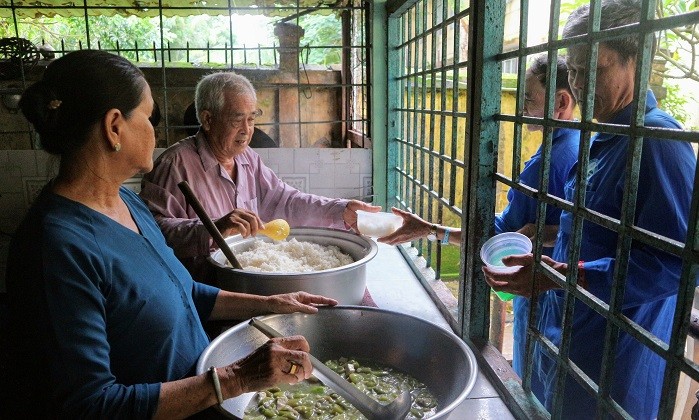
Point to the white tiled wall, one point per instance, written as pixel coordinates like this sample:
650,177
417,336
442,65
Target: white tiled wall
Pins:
343,173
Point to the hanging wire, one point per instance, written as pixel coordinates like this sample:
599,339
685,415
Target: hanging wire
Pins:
304,61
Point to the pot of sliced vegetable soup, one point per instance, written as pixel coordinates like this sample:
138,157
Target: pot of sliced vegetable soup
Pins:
381,352
321,261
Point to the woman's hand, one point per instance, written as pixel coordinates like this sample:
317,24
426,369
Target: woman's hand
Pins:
239,306
269,365
350,213
413,228
279,360
244,222
297,302
520,282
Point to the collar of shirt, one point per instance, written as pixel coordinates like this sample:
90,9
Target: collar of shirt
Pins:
557,135
624,116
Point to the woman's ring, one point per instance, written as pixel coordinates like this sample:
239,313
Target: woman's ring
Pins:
293,369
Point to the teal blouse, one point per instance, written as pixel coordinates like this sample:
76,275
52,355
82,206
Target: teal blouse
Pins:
99,315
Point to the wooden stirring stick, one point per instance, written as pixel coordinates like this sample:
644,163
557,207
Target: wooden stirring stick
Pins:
208,223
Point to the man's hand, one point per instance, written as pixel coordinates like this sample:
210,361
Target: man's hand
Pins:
550,233
350,214
414,227
244,222
520,282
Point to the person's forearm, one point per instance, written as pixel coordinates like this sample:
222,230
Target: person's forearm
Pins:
185,397
231,305
454,235
302,209
280,200
188,396
187,237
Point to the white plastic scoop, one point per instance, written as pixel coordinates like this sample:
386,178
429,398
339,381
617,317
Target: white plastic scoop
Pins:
372,409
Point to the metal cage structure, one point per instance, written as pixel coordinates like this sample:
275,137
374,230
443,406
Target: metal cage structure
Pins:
455,147
310,69
421,83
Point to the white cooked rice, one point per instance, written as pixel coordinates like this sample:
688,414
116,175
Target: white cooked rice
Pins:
292,257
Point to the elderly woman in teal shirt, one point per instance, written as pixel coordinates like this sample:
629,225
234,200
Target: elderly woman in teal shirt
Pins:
105,322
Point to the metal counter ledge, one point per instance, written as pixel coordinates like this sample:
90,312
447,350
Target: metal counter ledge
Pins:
393,286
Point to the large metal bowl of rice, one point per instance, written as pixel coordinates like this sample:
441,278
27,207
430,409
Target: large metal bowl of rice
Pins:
315,246
427,352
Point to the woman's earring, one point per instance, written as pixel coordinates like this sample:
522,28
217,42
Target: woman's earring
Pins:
117,147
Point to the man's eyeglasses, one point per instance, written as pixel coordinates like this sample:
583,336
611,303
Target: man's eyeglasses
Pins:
239,119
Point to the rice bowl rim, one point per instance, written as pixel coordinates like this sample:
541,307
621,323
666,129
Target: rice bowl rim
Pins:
370,245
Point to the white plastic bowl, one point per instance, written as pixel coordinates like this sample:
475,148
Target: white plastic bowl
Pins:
377,224
503,245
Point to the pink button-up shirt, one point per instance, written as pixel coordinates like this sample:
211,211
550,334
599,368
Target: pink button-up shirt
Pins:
257,189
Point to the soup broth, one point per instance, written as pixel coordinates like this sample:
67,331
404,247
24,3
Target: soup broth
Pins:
311,399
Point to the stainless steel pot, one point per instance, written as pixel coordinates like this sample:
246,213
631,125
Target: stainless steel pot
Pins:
434,356
346,284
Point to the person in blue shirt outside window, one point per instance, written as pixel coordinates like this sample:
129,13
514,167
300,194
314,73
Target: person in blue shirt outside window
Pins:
520,212
662,207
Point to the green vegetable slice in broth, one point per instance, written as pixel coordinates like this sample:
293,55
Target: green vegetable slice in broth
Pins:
309,400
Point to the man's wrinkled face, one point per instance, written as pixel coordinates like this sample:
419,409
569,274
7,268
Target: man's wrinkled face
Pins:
614,83
232,128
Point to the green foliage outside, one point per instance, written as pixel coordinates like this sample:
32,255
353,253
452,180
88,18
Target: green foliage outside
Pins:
321,31
196,33
450,265
451,261
124,33
676,104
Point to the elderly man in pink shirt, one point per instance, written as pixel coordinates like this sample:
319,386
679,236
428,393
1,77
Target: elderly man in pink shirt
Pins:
235,188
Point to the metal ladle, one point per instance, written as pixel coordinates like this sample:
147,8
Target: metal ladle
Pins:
208,223
372,409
